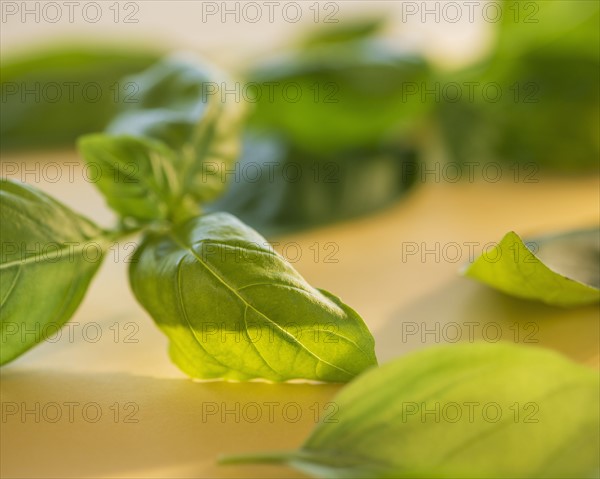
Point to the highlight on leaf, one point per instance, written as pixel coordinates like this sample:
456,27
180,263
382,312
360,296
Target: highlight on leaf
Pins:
234,309
475,410
49,256
163,156
560,270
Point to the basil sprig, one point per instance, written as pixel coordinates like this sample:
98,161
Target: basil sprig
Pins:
204,279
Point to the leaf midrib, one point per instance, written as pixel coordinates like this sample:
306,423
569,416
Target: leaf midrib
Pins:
182,244
41,258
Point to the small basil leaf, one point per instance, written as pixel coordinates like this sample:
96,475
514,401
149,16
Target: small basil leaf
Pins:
180,129
49,256
234,309
182,103
513,268
138,176
475,410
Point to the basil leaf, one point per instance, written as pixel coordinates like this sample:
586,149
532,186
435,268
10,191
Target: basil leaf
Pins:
564,25
234,309
338,97
138,176
475,410
182,125
182,104
285,193
346,132
49,256
51,96
546,66
301,174
351,31
513,268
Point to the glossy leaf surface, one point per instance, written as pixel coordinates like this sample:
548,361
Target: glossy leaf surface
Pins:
49,256
475,410
234,309
513,268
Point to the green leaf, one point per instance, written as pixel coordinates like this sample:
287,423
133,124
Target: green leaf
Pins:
52,95
234,309
183,104
343,129
470,411
49,256
513,268
285,192
562,25
531,122
335,98
546,69
353,30
138,176
180,123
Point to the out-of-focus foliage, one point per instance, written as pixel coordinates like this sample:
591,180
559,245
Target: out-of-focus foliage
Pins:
333,120
277,187
163,155
351,31
51,97
547,66
331,96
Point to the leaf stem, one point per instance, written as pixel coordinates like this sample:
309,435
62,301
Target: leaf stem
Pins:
122,231
274,457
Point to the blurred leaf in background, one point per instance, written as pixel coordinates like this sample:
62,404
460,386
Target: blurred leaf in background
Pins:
339,119
51,96
332,118
546,66
337,95
277,188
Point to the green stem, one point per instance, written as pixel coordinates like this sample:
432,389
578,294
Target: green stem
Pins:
121,232
276,457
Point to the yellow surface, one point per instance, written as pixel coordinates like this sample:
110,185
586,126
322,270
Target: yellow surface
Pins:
171,437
